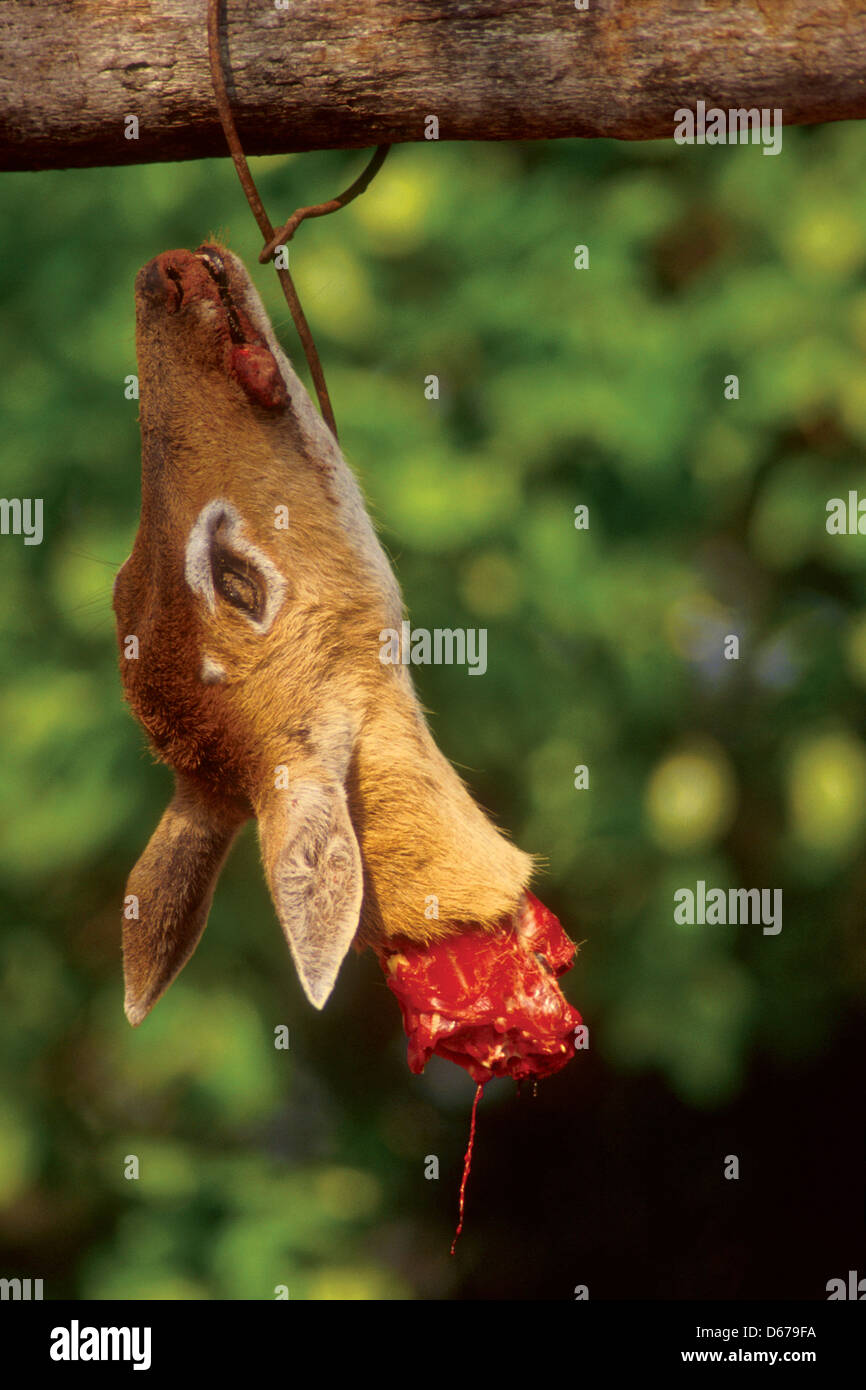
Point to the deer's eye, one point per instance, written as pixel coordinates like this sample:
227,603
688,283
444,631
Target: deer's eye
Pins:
239,584
221,565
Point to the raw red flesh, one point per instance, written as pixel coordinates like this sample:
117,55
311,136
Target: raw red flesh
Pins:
486,1000
254,366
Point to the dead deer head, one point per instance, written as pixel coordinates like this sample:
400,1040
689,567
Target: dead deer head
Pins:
257,592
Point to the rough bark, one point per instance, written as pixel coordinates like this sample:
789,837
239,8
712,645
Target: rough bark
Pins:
328,73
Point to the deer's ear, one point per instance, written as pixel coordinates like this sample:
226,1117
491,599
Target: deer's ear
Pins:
313,867
170,889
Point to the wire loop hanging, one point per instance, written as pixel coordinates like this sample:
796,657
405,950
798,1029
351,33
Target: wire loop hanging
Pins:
273,240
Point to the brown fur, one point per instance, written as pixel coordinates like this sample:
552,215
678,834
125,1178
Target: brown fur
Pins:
310,694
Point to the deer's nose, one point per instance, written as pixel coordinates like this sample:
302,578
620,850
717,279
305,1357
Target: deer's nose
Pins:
176,278
161,282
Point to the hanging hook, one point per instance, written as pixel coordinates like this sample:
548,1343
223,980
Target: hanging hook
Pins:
271,238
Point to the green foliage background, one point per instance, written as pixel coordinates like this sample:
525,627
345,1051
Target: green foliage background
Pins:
558,387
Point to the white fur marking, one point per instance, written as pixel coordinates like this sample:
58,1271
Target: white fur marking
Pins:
212,673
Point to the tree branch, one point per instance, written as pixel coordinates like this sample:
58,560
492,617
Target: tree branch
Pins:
322,74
